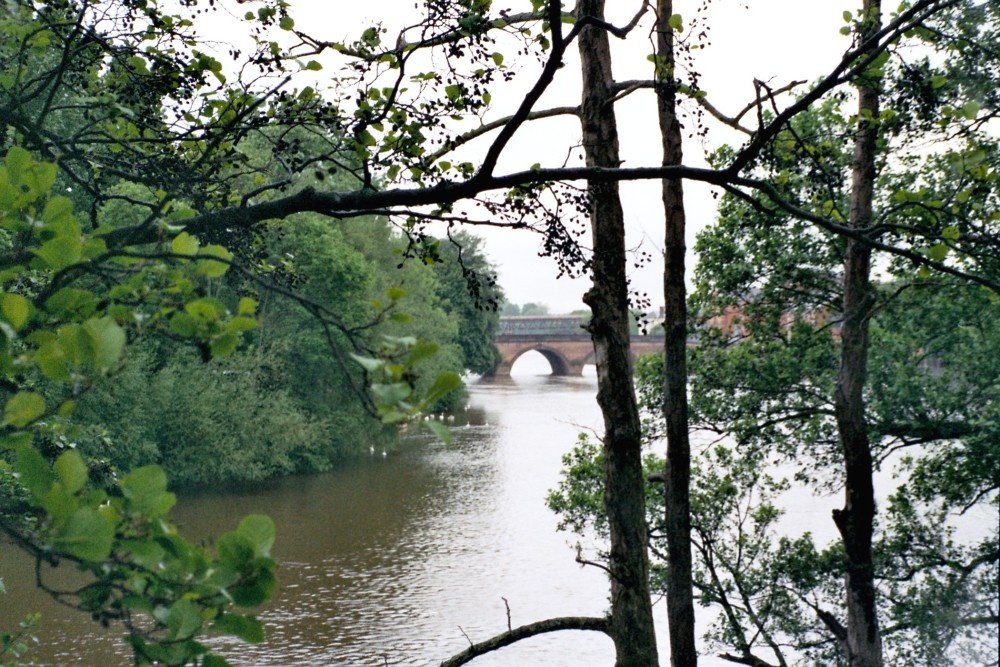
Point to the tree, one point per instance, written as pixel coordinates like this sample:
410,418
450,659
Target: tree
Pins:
773,285
531,308
677,472
468,288
510,309
59,340
126,92
631,622
779,592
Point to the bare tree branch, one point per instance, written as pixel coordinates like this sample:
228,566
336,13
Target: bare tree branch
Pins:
486,128
525,631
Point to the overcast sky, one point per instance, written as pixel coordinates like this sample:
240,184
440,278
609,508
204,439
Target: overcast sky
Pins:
772,40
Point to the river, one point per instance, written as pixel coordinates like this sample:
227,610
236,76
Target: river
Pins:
401,559
397,559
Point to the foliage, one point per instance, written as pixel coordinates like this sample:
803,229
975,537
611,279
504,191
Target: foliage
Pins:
294,401
932,413
138,110
164,589
468,289
230,423
59,338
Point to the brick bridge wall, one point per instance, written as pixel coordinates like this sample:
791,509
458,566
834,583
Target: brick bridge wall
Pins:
567,355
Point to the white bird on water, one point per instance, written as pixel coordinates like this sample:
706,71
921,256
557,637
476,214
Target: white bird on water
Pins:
371,450
384,454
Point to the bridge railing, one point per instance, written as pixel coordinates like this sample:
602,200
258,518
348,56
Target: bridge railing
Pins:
535,326
542,325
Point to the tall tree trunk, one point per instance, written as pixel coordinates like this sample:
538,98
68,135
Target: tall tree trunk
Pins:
680,602
856,521
631,625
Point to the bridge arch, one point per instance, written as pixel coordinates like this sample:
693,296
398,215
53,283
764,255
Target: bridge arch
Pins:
557,338
566,355
559,364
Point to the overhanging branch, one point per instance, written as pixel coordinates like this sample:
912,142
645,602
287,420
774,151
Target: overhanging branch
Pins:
524,632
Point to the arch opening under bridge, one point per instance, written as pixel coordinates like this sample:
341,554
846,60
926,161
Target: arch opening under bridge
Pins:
560,339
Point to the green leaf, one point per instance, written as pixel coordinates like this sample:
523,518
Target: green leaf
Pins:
145,553
444,384
259,531
60,252
23,408
247,306
205,309
146,490
59,504
15,440
234,550
87,535
440,430
71,303
971,109
247,628
370,364
676,23
184,244
71,470
107,340
34,471
391,394
313,66
16,309
255,591
52,361
94,596
224,345
58,214
286,23
421,350
212,268
18,161
241,323
184,325
42,177
184,619
138,64
937,252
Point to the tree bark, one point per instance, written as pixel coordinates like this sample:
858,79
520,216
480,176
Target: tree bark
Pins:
679,591
631,623
856,521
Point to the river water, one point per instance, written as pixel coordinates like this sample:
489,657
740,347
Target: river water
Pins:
397,559
402,559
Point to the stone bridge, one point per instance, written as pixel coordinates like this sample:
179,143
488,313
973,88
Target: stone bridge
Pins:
560,339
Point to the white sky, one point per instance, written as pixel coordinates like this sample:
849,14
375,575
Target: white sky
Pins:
772,40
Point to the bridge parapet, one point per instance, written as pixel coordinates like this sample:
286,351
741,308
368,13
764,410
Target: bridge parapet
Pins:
542,325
